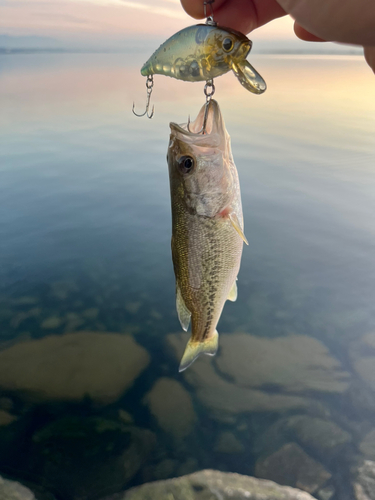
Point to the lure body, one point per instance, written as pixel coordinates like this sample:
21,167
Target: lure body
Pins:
203,52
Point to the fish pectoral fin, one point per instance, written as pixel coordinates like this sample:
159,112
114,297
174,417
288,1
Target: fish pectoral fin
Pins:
233,292
194,349
237,226
183,312
249,77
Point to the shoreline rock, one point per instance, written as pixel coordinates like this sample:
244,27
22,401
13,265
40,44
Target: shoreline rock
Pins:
12,490
210,484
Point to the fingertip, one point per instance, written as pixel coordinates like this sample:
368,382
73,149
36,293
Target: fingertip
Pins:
306,35
194,8
370,57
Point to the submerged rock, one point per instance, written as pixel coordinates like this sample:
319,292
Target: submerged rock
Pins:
228,443
367,445
290,465
6,418
295,363
82,457
188,467
364,487
326,493
11,490
125,417
210,485
323,437
362,353
227,398
51,323
171,405
101,366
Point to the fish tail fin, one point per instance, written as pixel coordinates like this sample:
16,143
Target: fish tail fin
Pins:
194,349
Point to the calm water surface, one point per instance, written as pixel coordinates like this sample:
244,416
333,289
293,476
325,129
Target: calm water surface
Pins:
89,336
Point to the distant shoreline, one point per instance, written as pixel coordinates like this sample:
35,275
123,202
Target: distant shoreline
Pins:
15,51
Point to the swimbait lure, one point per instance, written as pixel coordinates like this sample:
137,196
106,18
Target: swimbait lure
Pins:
202,53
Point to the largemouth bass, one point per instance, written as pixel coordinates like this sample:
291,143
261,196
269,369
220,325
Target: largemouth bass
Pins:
207,227
203,52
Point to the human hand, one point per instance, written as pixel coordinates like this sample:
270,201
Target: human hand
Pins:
351,21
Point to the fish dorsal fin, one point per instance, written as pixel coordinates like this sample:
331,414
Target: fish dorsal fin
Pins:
249,77
194,349
233,292
237,226
183,312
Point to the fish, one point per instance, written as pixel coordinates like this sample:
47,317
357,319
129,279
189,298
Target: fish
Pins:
203,52
207,227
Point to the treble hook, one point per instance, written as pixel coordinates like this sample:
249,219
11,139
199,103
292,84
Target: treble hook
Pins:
149,86
208,93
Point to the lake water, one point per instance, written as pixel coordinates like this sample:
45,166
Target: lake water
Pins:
90,340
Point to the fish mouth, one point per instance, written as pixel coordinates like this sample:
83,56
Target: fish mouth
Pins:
214,127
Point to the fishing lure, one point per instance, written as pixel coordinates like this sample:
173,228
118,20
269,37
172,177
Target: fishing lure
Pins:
202,53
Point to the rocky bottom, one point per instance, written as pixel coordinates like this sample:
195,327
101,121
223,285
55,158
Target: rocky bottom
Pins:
87,413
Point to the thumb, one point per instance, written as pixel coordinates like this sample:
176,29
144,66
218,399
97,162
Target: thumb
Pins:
370,57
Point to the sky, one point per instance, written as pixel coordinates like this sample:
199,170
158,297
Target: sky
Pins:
123,24
100,19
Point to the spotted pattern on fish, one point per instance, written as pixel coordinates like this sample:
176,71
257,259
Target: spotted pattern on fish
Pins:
206,248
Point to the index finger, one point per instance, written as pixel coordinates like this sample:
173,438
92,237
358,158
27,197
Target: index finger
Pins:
242,15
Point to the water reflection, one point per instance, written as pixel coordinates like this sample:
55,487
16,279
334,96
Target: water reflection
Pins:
91,401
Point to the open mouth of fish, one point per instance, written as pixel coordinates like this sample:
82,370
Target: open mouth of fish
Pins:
210,118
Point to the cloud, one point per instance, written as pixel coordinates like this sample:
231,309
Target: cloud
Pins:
105,18
151,8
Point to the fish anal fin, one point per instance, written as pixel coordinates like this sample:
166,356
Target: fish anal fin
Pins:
183,312
236,224
195,349
233,292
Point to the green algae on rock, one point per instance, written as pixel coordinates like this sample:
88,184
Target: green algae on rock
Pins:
98,365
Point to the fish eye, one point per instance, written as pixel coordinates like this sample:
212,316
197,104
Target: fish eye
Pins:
186,164
227,44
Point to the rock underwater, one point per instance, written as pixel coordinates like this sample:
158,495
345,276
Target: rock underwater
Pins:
98,365
11,490
212,485
295,365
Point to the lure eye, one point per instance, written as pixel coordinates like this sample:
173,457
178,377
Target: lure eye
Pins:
227,44
186,164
